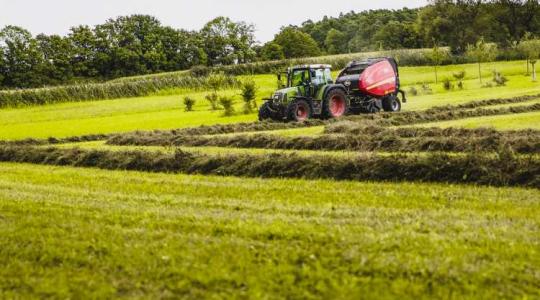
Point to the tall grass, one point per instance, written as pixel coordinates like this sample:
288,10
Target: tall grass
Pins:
109,90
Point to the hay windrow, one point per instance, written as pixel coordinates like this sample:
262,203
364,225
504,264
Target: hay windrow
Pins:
502,169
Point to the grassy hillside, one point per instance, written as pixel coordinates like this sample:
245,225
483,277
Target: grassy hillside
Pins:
83,233
165,110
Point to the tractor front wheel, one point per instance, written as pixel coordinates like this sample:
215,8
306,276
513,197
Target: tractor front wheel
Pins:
391,104
335,104
265,112
298,111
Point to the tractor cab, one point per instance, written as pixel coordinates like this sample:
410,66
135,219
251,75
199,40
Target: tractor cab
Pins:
307,79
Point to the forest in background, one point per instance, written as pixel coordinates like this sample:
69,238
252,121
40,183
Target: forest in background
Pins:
140,44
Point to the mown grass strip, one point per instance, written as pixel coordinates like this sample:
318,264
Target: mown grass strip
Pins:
504,169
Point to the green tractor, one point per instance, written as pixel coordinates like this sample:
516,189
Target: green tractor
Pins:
309,92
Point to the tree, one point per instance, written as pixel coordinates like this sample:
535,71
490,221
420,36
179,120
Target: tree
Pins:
181,49
531,49
83,42
436,57
336,42
454,23
2,67
296,43
57,52
226,42
22,58
272,51
397,35
482,52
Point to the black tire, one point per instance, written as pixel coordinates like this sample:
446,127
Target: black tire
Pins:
265,112
391,104
298,111
335,105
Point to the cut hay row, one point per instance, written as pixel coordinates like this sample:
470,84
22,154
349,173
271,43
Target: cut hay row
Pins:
355,128
358,142
428,116
503,169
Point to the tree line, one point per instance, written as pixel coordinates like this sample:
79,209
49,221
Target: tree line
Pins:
140,44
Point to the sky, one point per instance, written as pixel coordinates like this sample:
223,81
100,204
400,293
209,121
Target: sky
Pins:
57,16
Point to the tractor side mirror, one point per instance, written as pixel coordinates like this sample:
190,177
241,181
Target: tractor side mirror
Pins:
280,82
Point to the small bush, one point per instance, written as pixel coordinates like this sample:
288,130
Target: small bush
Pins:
459,76
413,91
499,79
249,91
426,89
213,100
227,104
447,84
189,103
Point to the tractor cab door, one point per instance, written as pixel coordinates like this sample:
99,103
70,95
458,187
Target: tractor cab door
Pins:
319,79
301,78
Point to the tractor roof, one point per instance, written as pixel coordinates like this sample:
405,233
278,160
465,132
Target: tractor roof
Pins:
315,66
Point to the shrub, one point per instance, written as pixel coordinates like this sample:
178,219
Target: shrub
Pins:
426,89
213,100
249,91
189,103
499,79
459,76
447,84
413,91
228,105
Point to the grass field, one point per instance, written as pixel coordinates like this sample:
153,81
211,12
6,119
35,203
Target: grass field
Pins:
165,110
521,121
102,234
73,233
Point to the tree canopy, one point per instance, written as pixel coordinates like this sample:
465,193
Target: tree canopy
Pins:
140,44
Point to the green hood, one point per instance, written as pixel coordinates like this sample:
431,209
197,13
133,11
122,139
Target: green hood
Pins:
287,94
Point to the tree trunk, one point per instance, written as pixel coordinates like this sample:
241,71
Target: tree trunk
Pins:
436,78
480,72
533,71
528,66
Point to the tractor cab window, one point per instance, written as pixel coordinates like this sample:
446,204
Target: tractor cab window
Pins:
318,77
299,77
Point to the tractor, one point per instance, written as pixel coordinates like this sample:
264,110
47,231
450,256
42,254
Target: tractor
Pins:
362,87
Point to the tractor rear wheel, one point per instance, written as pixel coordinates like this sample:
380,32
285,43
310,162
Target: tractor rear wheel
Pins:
298,111
391,104
335,105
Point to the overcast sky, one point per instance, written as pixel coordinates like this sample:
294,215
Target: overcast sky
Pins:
57,16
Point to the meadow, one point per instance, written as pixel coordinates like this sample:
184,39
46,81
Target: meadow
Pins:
164,109
137,198
102,234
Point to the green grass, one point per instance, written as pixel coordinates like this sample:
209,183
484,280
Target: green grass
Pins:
504,122
165,111
84,233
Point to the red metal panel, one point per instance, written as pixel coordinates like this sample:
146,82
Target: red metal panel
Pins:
378,80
